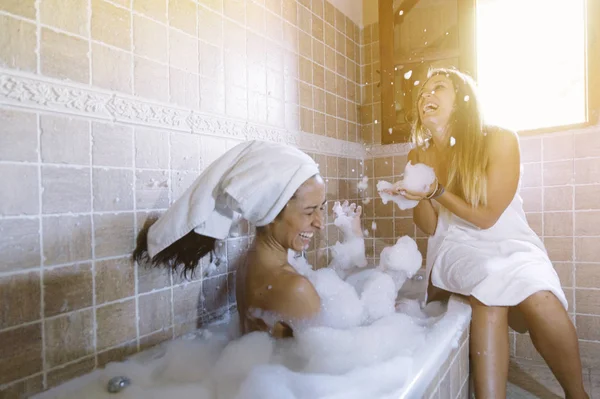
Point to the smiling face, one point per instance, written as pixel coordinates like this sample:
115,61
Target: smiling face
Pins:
302,216
436,103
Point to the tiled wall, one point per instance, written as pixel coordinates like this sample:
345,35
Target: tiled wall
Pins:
370,109
561,194
77,186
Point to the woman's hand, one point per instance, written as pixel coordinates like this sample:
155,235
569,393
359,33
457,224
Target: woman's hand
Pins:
352,212
398,189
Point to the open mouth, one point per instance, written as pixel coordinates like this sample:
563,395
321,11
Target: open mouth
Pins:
429,108
306,236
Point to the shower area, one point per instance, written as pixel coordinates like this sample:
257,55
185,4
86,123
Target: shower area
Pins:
109,110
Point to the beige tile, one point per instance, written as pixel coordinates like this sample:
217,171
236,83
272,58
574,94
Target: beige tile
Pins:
586,197
329,13
560,249
187,302
152,278
587,145
255,17
558,224
67,288
558,173
65,140
212,95
155,311
289,11
149,38
112,145
275,112
156,338
532,175
19,194
588,327
182,15
211,61
154,9
257,78
116,324
292,117
112,189
257,107
236,102
69,337
185,151
63,374
64,57
587,171
18,141
151,148
274,6
17,44
22,8
183,51
112,69
565,273
214,290
65,189
587,223
587,301
210,28
586,249
590,354
306,120
305,44
67,239
20,352
19,244
558,198
24,388
236,10
587,275
113,234
114,279
151,79
24,290
183,88
558,147
117,354
67,15
152,189
111,24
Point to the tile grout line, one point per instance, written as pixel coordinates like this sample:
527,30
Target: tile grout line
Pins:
91,163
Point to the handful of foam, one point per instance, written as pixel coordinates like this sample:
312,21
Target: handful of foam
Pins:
417,178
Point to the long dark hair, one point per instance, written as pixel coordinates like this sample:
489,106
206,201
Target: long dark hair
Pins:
185,253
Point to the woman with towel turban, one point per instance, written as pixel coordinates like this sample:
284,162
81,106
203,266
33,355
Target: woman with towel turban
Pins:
480,244
278,189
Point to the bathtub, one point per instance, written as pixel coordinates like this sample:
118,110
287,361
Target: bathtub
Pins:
438,371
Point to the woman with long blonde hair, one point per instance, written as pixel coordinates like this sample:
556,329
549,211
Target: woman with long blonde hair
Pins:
480,244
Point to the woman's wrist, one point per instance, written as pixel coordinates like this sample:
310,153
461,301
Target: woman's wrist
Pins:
439,190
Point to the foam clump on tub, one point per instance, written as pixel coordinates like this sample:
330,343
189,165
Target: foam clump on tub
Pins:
416,178
365,343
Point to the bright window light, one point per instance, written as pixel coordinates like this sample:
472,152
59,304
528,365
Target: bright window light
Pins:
531,62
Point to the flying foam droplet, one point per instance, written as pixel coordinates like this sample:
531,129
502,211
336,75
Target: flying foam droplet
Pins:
466,98
447,33
366,233
424,30
417,82
401,12
390,130
408,74
376,121
452,141
373,226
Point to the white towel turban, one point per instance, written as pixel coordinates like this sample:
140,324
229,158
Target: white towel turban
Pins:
255,179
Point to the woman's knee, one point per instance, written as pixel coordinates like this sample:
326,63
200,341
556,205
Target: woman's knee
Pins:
479,307
539,302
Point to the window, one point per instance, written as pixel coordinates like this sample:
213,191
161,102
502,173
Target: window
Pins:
532,62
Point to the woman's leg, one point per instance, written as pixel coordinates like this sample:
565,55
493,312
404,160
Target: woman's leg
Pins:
554,336
489,350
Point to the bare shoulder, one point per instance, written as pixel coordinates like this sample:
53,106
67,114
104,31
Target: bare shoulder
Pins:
501,142
291,294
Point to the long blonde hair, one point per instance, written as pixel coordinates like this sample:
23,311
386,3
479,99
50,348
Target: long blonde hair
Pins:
469,155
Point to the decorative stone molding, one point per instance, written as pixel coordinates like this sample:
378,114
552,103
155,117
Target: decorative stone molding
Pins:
387,150
51,95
